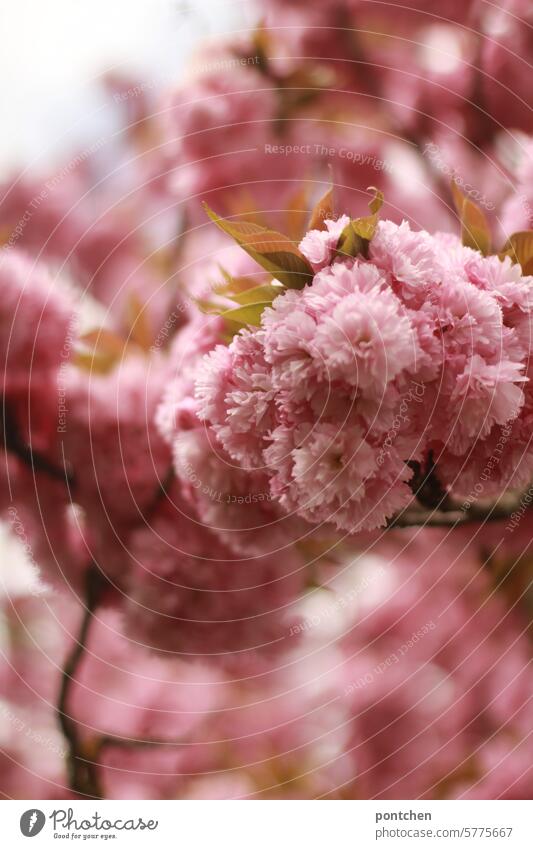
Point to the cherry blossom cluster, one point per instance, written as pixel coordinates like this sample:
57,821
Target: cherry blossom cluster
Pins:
312,397
205,587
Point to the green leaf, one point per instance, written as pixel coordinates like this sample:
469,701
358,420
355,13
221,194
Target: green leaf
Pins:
259,294
519,247
207,307
350,242
247,314
377,201
251,304
357,235
233,286
138,322
273,251
366,226
99,351
475,230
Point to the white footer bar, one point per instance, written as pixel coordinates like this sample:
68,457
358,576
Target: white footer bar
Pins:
268,824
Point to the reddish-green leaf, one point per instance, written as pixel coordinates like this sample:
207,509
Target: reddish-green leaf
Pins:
138,322
475,230
251,304
357,235
259,294
519,247
273,251
207,307
351,243
99,350
248,314
377,201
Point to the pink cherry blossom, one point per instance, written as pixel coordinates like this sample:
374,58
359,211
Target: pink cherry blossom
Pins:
313,394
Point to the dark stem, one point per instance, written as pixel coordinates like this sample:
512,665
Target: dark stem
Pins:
161,494
15,444
82,770
133,743
454,513
426,485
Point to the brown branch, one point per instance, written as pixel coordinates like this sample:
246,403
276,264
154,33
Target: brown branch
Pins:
132,743
454,513
426,486
82,769
15,444
161,494
83,755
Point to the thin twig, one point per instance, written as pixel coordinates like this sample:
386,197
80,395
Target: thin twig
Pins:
161,494
459,514
426,486
15,444
133,743
83,777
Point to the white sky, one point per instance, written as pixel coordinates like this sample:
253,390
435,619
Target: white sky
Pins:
53,50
